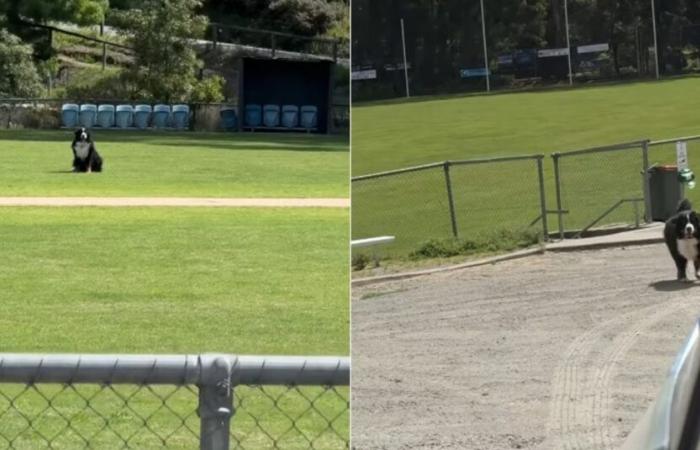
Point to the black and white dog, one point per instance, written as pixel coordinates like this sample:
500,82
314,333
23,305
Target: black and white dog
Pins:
682,234
85,156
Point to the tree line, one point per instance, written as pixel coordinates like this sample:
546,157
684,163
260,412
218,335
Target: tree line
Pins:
443,35
165,67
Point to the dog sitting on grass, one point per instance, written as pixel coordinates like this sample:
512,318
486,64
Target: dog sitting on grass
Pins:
85,156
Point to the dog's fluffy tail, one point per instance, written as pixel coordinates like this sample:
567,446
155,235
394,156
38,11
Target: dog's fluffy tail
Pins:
685,205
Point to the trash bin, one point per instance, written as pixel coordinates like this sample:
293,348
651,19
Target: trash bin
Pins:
665,191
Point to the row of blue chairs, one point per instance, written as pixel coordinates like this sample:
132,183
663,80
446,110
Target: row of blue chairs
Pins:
291,117
125,116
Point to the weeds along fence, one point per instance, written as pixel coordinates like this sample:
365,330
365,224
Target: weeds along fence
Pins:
600,186
473,200
212,402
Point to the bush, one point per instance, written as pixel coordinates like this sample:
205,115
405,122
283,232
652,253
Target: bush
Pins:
89,84
208,90
360,261
41,118
18,74
497,241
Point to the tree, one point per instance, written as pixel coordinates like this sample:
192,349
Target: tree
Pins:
306,17
18,75
165,64
84,12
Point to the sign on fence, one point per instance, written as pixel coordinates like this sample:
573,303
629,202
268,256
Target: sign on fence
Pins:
682,155
370,74
472,73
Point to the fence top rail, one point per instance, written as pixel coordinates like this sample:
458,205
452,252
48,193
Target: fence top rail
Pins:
398,171
445,163
76,34
673,140
604,148
172,369
461,162
277,33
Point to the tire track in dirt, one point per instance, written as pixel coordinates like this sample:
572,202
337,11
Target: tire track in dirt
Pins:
581,394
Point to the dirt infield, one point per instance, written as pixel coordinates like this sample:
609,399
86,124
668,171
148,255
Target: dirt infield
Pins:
177,201
554,351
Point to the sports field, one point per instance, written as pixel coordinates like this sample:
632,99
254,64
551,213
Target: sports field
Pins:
504,198
174,279
143,164
392,135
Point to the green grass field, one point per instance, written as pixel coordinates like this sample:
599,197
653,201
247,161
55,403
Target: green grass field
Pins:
143,164
425,130
505,196
173,280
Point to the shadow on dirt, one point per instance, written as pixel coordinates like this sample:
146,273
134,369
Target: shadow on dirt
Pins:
672,285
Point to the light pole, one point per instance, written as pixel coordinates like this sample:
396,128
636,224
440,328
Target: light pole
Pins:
486,53
568,42
656,44
405,65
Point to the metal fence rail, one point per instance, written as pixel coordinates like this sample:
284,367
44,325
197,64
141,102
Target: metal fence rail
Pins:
148,401
598,189
469,200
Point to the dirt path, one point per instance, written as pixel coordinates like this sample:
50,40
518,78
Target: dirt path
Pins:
556,351
175,201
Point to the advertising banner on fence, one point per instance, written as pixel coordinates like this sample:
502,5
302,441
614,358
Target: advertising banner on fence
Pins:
550,52
370,74
472,73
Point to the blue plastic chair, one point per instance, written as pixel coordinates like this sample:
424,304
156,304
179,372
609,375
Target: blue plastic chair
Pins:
88,115
229,118
290,116
105,116
124,116
253,115
271,116
181,116
161,116
309,117
142,116
69,115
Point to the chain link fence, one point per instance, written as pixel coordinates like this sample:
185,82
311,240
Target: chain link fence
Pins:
595,190
600,187
472,200
144,402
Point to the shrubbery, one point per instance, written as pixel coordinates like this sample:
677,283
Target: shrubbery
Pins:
18,74
500,240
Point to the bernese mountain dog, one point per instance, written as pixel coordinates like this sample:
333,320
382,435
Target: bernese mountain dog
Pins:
85,156
682,235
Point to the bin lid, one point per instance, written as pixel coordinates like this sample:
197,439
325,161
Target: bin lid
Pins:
667,168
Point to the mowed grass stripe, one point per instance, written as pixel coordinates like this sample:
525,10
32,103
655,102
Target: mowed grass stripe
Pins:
174,280
194,164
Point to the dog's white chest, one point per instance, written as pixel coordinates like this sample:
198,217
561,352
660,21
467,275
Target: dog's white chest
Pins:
688,248
81,149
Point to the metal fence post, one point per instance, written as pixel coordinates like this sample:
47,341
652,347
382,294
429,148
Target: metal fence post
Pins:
543,199
215,403
645,181
557,183
450,199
